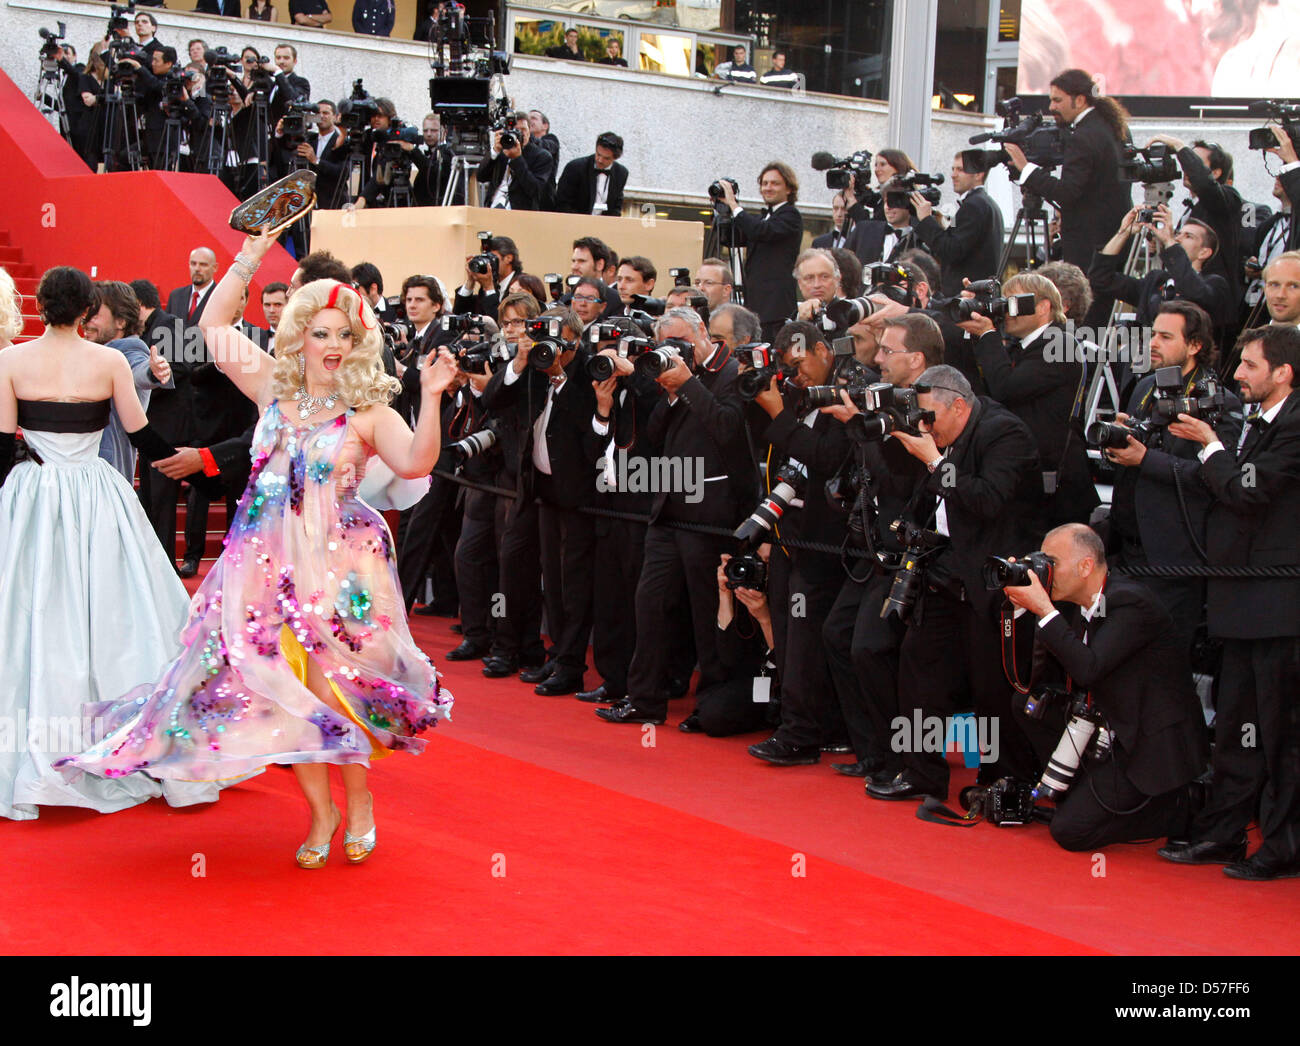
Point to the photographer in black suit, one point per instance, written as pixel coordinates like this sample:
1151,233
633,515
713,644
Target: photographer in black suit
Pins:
1088,192
887,239
594,184
1155,477
481,292
773,239
697,429
1130,661
1256,501
516,178
1037,374
970,246
982,494
556,406
433,165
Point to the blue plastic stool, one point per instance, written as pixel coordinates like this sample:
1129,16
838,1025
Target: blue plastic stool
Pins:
970,755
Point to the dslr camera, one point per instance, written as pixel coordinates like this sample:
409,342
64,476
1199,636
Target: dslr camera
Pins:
630,346
764,365
1003,573
664,356
485,261
918,543
987,301
885,408
681,277
1105,433
546,334
746,570
716,192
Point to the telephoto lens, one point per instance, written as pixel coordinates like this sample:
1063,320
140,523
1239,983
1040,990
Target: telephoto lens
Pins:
1064,763
788,487
472,446
1108,435
845,312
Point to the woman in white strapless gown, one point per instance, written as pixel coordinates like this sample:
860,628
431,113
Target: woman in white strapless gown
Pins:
90,606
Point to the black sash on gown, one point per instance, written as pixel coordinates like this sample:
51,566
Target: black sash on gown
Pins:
61,416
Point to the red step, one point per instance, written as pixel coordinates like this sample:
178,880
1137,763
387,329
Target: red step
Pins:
10,255
26,285
32,327
19,270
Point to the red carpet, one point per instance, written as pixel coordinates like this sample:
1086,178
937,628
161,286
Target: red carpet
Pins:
529,826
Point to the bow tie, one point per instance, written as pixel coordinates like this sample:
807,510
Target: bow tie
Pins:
767,212
1256,419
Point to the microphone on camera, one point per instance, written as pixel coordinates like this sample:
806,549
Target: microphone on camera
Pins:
822,161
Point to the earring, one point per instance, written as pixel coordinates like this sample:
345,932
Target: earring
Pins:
302,366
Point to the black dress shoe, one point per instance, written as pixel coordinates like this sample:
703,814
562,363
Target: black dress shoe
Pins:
537,673
467,651
189,567
1207,852
837,748
497,667
782,753
599,696
557,684
901,788
881,777
1259,869
691,724
627,713
859,769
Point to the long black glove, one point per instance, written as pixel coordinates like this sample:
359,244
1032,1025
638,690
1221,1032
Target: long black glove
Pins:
8,448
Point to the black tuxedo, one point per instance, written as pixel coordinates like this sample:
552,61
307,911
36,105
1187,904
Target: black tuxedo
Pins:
330,165
971,245
1146,517
867,241
703,426
989,487
170,412
1039,384
576,193
773,243
530,175
1092,199
1134,666
178,302
827,240
433,169
484,303
288,87
1219,207
1177,279
1251,522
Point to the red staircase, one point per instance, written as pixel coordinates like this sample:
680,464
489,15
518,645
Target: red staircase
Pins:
216,530
25,277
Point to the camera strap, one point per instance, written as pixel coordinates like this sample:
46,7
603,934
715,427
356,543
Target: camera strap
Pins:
1007,628
934,811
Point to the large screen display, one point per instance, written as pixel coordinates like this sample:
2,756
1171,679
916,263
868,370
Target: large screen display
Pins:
1180,48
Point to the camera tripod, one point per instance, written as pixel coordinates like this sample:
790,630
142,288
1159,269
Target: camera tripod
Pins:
122,121
170,157
214,160
713,244
1033,216
49,99
460,174
261,134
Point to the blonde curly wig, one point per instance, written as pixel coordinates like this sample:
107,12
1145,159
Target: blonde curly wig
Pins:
360,382
11,308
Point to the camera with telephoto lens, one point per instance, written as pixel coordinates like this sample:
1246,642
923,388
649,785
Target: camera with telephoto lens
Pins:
664,356
1003,573
1105,433
917,544
601,368
901,186
1285,113
1205,400
746,570
681,277
1148,165
397,331
1086,734
885,408
845,312
764,365
472,445
717,193
787,486
1041,142
987,301
850,171
647,304
546,334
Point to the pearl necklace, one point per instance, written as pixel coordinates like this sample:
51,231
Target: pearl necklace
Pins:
309,405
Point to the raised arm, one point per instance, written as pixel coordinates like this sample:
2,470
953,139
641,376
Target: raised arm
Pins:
239,358
412,454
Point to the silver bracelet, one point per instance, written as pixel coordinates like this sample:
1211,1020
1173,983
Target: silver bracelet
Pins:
242,269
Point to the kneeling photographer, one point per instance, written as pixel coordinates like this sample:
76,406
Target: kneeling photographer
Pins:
978,498
1158,507
1135,738
804,448
862,645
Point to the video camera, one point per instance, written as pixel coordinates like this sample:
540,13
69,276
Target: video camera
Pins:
853,170
360,107
293,126
1042,143
53,41
1150,165
1287,114
900,187
987,301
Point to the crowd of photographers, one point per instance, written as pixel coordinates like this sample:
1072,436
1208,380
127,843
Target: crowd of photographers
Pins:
855,486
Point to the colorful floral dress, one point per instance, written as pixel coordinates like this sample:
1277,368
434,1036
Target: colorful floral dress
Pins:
308,571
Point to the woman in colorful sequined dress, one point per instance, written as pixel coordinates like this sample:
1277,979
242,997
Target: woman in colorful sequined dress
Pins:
297,645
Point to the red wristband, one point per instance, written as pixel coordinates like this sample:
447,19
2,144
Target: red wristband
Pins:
210,467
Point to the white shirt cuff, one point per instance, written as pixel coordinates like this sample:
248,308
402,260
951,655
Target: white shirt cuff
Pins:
1289,167
737,209
1048,617
467,289
1209,449
512,375
600,428
1026,171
